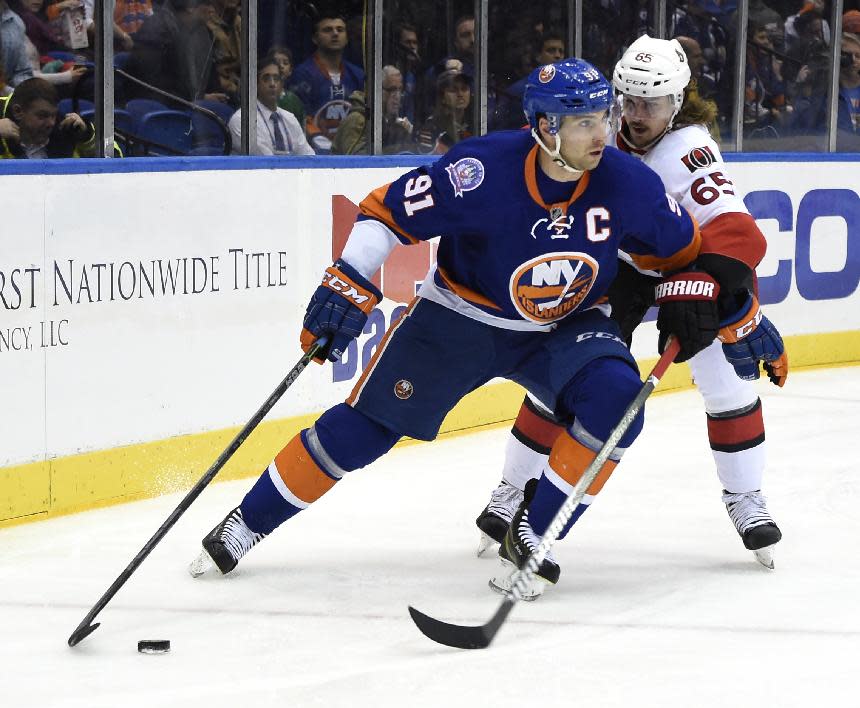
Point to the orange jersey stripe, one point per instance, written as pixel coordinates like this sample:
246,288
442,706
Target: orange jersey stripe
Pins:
534,192
676,261
735,235
356,391
373,205
570,458
300,473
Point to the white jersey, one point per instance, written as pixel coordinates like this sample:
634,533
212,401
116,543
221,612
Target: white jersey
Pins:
694,174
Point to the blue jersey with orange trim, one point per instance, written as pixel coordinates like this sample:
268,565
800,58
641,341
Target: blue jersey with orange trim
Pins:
510,254
313,84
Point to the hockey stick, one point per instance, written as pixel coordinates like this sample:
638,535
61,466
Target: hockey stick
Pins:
85,628
470,637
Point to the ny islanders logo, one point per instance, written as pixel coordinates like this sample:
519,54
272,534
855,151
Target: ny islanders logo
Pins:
546,74
549,287
465,175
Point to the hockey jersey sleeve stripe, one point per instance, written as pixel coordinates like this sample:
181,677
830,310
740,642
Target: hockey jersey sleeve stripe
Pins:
534,192
736,235
368,370
373,206
465,293
677,260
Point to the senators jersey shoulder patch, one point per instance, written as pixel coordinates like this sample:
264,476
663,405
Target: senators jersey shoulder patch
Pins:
699,158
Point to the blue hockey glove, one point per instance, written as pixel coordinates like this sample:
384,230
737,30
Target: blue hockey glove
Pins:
748,338
339,308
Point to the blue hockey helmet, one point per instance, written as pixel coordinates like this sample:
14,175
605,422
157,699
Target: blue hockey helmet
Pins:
567,87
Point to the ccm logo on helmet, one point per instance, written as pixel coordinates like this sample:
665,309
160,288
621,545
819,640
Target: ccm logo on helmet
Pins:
348,290
701,288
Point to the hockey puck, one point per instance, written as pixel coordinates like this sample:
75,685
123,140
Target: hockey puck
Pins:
153,646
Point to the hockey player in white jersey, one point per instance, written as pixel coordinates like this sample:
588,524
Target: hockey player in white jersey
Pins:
664,123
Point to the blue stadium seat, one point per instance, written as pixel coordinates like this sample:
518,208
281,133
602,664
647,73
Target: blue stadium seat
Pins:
120,60
124,120
169,128
121,119
206,133
139,107
65,106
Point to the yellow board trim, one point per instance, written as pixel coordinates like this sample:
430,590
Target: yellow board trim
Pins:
66,485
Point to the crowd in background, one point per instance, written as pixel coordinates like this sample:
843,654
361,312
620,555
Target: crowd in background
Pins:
311,80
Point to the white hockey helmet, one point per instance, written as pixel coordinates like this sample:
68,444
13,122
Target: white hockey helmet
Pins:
653,67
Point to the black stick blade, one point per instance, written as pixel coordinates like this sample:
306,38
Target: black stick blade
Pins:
83,631
460,636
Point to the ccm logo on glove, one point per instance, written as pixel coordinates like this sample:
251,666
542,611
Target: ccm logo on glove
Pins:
729,334
348,290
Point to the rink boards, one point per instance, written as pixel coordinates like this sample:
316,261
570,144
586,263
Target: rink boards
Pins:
137,335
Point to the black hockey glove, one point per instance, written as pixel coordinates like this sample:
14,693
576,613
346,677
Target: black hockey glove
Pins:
688,309
339,308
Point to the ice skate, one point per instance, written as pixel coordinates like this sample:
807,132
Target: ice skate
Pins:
224,546
518,544
756,528
494,520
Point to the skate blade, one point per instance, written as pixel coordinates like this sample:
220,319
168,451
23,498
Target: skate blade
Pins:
501,582
485,544
765,556
201,564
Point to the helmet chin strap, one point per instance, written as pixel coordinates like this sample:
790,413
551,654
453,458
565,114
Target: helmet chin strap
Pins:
555,155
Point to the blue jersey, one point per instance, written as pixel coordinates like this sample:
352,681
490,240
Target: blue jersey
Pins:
326,102
508,257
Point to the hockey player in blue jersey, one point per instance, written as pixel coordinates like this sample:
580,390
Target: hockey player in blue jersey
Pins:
530,225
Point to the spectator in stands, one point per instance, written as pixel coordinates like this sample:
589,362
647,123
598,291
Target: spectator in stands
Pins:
38,29
63,78
848,118
173,52
13,46
407,59
464,52
450,121
805,27
715,83
509,112
288,100
225,25
851,22
278,131
809,96
129,16
353,136
41,39
696,61
29,128
766,112
768,21
324,81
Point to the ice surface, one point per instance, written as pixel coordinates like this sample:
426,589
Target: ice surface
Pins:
658,604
